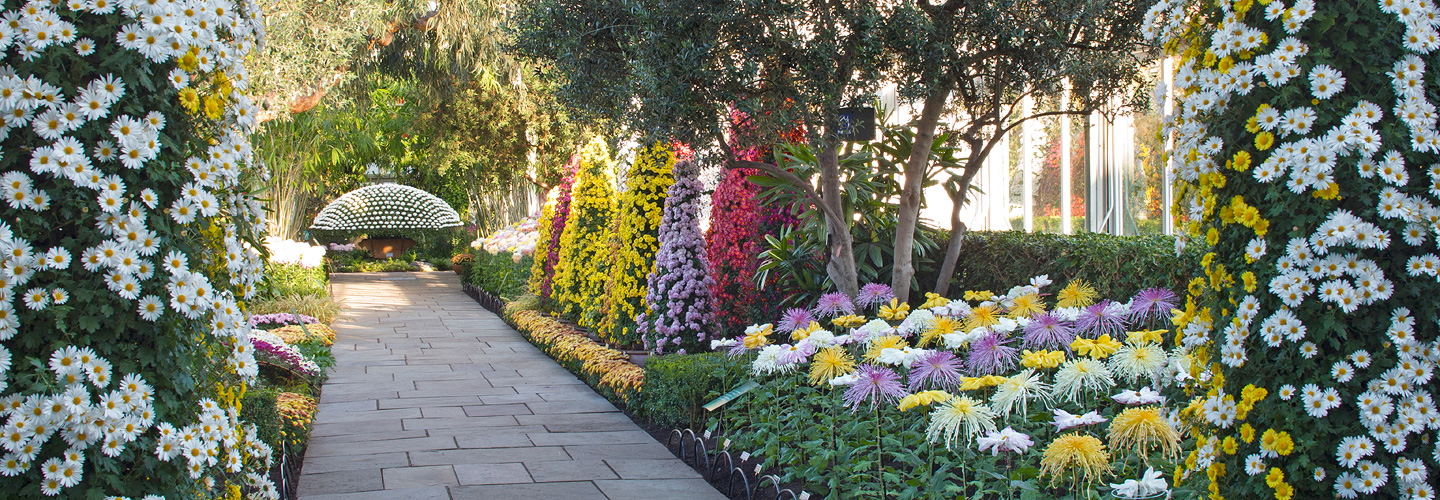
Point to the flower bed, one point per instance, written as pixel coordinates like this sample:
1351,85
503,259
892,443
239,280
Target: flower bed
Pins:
965,397
608,370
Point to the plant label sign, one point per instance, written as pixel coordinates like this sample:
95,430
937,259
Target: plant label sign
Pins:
855,124
744,456
707,433
730,396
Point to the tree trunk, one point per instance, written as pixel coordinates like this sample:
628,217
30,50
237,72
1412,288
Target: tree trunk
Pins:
957,228
841,265
952,252
910,196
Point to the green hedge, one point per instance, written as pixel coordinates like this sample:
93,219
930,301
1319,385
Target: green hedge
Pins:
676,385
259,407
1117,266
499,274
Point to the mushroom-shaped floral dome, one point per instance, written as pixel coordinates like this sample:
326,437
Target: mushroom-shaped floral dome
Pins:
386,206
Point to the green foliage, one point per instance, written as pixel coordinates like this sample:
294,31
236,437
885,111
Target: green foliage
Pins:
259,407
1117,266
676,385
499,274
294,279
308,41
793,260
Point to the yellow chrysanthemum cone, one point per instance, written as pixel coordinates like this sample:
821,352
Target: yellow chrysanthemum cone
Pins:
1142,429
1080,454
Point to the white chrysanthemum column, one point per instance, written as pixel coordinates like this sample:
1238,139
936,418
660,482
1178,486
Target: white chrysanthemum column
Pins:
1306,151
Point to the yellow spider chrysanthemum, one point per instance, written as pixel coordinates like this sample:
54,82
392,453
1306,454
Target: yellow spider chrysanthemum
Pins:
1142,429
882,343
829,363
1077,294
1026,306
943,326
981,317
1083,454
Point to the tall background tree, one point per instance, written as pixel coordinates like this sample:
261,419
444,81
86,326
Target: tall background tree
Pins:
418,89
982,62
678,68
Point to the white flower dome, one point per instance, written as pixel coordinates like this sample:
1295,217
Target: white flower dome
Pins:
386,206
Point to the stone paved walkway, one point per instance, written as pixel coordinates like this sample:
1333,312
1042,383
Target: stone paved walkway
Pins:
433,397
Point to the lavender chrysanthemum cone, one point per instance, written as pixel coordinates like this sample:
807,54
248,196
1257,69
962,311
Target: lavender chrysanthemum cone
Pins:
678,291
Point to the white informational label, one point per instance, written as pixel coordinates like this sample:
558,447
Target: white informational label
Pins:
707,434
804,495
744,456
757,469
727,444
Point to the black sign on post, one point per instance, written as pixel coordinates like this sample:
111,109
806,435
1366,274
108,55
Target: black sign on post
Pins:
855,124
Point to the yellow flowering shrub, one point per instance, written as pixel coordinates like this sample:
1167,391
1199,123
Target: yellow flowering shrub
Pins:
582,270
636,240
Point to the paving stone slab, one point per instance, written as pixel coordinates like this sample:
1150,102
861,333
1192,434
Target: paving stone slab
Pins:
579,490
347,481
651,469
430,493
689,489
418,477
489,456
336,463
569,470
329,448
472,474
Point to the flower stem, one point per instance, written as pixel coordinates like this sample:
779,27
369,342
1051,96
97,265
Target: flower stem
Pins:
879,456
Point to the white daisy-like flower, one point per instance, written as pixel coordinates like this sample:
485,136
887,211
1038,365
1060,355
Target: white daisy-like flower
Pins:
151,308
1325,81
37,298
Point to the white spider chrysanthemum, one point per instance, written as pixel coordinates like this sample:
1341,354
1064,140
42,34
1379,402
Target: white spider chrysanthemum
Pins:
1018,390
1081,375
